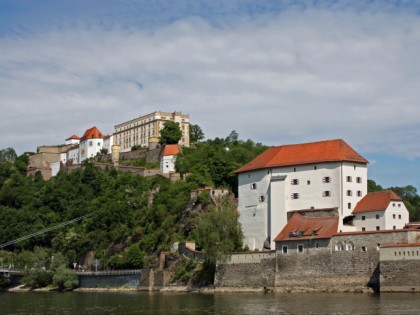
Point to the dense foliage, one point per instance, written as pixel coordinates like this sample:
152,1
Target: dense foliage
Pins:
171,133
127,209
214,162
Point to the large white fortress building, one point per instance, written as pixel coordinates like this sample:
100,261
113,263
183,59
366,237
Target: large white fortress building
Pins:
318,176
138,131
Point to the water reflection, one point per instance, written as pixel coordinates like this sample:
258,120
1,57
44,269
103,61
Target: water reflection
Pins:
226,303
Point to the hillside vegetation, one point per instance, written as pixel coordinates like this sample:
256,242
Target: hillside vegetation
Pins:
133,218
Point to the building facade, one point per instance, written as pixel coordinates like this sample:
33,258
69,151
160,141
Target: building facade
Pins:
138,131
92,143
383,210
319,175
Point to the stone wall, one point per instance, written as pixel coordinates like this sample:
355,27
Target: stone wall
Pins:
400,268
104,281
256,275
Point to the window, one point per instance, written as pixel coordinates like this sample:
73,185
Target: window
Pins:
300,248
253,186
284,249
393,204
363,229
317,245
399,205
350,246
294,170
326,193
377,217
349,193
314,167
394,216
359,193
262,198
399,216
295,196
295,181
326,179
394,227
348,178
349,205
309,182
377,228
99,144
364,248
90,143
358,180
363,218
339,247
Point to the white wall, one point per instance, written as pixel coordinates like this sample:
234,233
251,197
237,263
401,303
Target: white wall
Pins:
395,216
167,164
89,148
261,219
73,155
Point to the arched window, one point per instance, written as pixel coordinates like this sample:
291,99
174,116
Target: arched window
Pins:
350,245
339,247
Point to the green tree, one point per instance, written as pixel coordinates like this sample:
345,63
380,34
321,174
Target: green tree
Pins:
134,257
196,133
218,233
171,133
373,187
7,155
65,279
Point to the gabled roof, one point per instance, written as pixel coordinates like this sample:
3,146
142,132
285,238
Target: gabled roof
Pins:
305,153
73,137
170,149
92,133
303,228
376,201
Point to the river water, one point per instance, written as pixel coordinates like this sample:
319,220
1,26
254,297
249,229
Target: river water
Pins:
221,303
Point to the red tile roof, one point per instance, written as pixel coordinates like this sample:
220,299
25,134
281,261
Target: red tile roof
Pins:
170,149
376,201
303,228
92,133
74,137
305,153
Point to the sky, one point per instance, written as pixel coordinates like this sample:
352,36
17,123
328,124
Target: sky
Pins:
277,72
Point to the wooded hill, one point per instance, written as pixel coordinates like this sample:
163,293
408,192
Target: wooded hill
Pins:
134,218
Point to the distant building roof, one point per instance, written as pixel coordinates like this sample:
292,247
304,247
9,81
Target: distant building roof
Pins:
92,133
73,137
376,201
300,227
305,153
170,149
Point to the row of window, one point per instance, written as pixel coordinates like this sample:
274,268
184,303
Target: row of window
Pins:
413,253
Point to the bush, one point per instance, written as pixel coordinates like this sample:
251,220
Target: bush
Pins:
37,278
65,279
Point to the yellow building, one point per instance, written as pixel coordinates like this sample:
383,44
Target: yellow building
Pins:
138,131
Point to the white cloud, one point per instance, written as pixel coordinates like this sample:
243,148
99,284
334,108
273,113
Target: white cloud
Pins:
297,76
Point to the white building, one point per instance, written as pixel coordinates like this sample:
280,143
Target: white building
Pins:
318,175
91,144
138,131
168,158
73,155
383,210
73,140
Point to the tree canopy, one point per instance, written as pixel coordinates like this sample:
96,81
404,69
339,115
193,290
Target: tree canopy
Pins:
196,133
171,133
